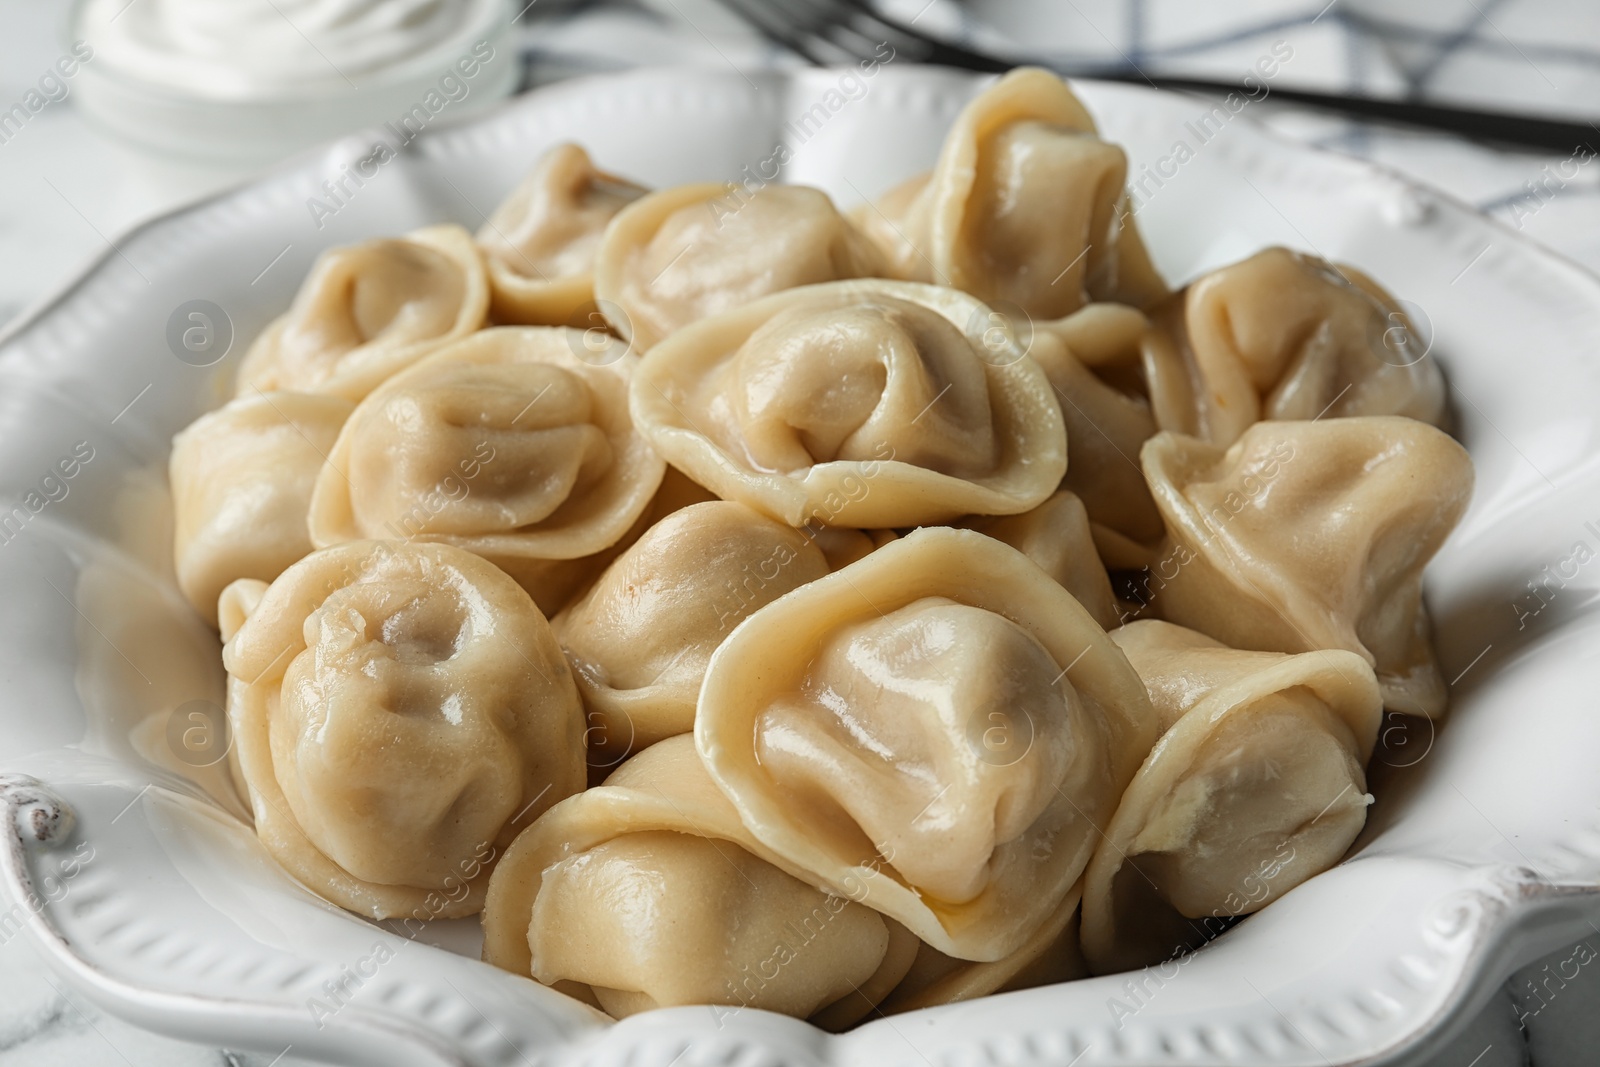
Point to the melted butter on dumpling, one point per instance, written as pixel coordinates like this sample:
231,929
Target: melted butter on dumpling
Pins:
868,404
540,244
366,311
401,710
682,254
935,729
506,444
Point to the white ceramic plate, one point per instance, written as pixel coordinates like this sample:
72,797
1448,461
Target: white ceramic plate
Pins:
153,898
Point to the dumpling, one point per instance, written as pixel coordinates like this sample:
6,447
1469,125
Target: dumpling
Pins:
682,254
507,444
939,726
1310,535
647,892
539,245
865,404
842,546
241,485
639,639
1286,336
1056,536
366,311
1082,355
1255,786
1026,207
400,712
1051,955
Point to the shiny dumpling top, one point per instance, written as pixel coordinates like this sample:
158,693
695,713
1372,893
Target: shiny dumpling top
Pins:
514,443
1025,208
539,246
681,254
939,726
866,403
400,711
1312,535
1282,335
368,310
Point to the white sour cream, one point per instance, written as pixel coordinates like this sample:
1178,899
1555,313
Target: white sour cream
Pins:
253,49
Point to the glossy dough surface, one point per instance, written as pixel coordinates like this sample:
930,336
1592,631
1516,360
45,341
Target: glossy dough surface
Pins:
366,311
400,712
682,254
1282,335
1056,536
1256,784
1025,208
508,444
647,892
1311,535
866,404
540,244
640,638
938,725
241,481
837,712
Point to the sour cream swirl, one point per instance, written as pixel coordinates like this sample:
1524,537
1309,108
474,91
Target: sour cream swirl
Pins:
244,49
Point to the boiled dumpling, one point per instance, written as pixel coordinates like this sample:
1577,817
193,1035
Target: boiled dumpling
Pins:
507,444
646,892
366,311
539,246
1026,207
1088,356
400,712
939,726
1056,536
1051,955
640,638
682,254
241,485
1311,535
1255,786
1286,336
842,546
865,404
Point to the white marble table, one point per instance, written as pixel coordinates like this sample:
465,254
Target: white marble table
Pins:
66,191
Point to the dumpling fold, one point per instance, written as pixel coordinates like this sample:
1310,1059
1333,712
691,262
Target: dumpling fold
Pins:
865,404
1312,535
1256,785
368,310
647,892
399,712
940,725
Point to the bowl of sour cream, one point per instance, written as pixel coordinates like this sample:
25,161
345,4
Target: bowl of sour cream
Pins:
254,80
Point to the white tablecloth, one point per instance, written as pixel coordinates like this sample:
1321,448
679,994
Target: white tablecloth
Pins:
66,192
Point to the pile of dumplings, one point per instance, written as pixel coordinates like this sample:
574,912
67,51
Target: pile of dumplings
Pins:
739,602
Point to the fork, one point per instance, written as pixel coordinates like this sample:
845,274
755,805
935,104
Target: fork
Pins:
827,32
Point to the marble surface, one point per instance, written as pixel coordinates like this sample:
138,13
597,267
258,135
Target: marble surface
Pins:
67,191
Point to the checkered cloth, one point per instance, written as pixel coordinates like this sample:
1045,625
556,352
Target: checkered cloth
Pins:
1537,57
